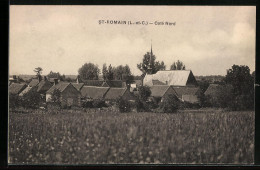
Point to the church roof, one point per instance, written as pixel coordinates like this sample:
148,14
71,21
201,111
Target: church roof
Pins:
171,77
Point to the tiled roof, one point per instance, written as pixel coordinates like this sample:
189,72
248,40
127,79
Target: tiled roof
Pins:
92,82
157,82
114,83
78,86
43,86
186,90
34,82
212,89
16,88
114,93
159,90
170,77
26,90
94,92
60,86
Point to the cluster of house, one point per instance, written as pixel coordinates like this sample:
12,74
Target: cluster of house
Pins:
181,83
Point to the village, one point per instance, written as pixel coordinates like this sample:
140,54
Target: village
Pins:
180,83
177,82
140,85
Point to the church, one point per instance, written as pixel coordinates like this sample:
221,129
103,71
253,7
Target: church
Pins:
182,81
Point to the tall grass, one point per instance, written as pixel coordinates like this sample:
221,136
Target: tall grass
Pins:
88,137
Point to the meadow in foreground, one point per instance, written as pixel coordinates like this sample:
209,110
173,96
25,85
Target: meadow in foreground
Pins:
104,137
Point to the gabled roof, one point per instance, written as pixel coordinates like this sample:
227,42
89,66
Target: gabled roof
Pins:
60,86
92,82
94,92
171,77
34,82
43,86
114,93
212,89
113,83
16,88
159,90
157,82
26,90
78,86
186,90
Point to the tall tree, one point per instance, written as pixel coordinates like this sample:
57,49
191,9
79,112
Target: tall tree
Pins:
89,71
155,65
56,75
110,73
177,65
38,71
105,72
243,86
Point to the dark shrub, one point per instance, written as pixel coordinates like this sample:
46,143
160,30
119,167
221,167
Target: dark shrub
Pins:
123,105
224,97
188,105
98,103
141,106
169,104
153,102
144,92
32,99
14,101
87,104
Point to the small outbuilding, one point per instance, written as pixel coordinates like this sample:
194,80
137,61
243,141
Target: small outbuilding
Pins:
16,88
188,94
161,91
114,93
92,92
69,95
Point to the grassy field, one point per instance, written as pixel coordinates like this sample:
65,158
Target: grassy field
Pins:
91,137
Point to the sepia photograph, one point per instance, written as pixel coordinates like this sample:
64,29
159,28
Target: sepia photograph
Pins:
131,85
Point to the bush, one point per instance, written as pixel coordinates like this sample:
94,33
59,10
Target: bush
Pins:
123,105
169,104
32,99
87,104
14,101
188,105
98,103
144,93
141,106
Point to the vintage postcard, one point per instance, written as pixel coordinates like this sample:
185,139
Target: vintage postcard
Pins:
131,85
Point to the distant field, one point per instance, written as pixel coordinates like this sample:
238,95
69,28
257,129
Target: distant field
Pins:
78,137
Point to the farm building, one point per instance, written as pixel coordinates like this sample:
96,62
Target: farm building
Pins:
188,94
161,91
26,90
78,86
94,92
16,88
70,96
102,83
114,93
41,85
212,90
114,83
171,77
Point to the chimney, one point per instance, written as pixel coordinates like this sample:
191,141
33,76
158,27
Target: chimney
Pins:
166,82
55,81
78,79
45,78
14,77
39,78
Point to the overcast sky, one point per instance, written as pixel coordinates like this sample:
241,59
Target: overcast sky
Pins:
209,40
